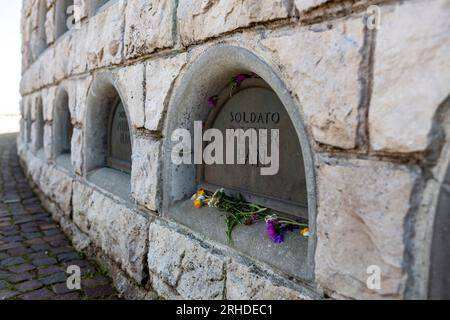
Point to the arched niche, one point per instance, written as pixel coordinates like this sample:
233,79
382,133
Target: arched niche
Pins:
63,129
108,140
255,105
206,77
39,126
439,276
62,16
28,124
41,42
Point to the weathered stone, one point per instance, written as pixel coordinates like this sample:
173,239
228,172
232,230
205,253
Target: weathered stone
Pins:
81,204
83,9
322,66
244,284
62,58
182,263
224,16
165,258
58,187
302,5
50,25
79,62
105,36
48,102
363,210
203,276
145,174
163,289
48,142
149,26
160,75
77,150
121,233
411,75
130,82
82,86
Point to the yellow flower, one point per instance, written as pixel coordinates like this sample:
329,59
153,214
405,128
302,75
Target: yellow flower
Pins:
200,193
198,204
305,232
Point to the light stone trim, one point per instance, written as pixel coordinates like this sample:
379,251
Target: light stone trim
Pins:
205,77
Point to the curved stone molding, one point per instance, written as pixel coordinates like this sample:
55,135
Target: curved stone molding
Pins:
206,76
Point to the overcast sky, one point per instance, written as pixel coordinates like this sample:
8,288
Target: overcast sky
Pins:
10,59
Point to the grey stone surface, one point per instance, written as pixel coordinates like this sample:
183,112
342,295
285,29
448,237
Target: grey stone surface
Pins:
373,234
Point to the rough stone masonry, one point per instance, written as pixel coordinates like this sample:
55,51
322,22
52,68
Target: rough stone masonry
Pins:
370,105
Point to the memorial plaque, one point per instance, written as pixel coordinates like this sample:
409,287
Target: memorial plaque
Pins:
258,107
119,140
65,125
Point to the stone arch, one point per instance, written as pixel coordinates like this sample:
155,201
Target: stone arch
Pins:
62,15
41,41
103,99
208,75
62,122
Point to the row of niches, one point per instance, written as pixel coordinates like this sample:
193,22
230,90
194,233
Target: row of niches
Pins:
244,96
63,19
111,139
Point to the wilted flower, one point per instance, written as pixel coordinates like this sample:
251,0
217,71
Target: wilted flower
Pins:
212,101
305,232
273,229
214,201
255,217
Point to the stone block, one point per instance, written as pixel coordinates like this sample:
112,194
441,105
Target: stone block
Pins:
160,77
149,26
322,63
185,264
411,75
199,20
363,207
145,173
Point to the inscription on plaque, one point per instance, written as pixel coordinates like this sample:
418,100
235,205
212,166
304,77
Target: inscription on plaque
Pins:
119,140
260,108
65,128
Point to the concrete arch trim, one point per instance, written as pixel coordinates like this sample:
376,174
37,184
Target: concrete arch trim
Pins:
59,107
104,87
206,76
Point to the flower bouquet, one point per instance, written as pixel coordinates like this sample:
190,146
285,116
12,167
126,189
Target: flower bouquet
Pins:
239,212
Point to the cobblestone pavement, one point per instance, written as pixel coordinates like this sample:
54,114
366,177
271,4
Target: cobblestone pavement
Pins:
34,253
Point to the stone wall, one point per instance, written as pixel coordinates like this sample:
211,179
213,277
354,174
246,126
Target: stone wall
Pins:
371,105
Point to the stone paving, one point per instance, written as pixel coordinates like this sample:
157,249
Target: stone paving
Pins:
34,253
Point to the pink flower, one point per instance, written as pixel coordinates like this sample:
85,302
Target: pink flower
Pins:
212,101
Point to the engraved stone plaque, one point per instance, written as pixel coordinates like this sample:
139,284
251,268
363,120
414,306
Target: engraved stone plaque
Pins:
119,140
259,107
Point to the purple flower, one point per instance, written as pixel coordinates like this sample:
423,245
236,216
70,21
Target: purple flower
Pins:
273,231
255,217
237,80
212,101
241,78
